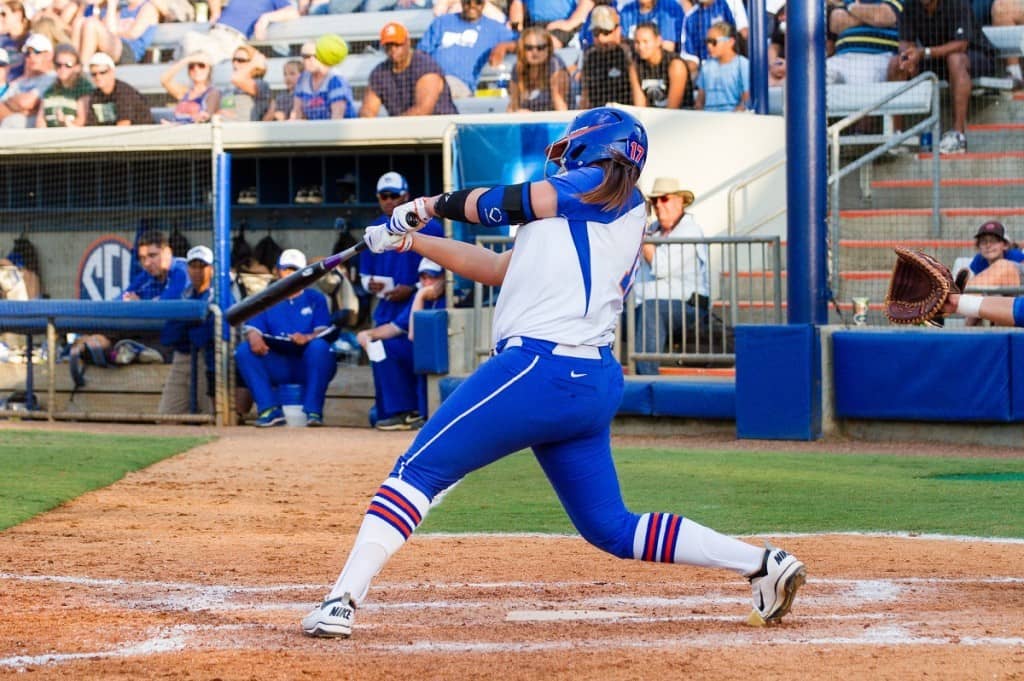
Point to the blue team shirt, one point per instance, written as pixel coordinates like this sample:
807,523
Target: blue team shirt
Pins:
146,287
724,84
461,47
402,267
697,23
546,11
242,15
301,314
667,15
316,105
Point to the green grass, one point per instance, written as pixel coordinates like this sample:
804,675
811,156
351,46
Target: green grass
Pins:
747,493
42,470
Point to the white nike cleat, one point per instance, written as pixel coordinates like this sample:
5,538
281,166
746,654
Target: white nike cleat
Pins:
774,586
332,619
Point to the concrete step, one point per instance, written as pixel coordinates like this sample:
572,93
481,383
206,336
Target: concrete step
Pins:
871,255
977,193
995,136
1006,162
897,225
1008,108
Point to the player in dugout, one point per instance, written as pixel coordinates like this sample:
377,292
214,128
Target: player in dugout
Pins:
553,382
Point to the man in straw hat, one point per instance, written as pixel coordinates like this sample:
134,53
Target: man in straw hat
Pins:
673,286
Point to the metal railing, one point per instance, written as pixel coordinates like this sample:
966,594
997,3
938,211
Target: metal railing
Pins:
749,290
837,172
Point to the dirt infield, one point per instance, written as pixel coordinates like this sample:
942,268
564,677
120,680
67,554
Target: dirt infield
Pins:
202,565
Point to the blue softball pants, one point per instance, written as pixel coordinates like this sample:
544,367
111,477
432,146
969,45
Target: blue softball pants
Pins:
561,407
314,368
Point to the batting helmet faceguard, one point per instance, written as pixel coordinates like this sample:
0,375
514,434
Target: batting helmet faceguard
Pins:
599,134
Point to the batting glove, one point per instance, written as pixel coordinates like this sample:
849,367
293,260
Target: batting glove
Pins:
379,239
409,217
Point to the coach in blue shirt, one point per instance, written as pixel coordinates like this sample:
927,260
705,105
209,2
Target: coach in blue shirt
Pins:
163,276
283,346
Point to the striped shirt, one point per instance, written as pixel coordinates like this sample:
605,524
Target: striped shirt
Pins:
316,104
667,15
702,18
868,39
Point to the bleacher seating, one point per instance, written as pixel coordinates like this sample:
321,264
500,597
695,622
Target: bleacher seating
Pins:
354,27
146,77
1008,40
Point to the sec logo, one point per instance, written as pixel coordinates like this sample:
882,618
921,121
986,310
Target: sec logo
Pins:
104,271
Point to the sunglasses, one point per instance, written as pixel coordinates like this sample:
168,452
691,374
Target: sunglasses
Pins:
474,2
664,198
32,50
598,32
715,41
240,60
534,48
98,72
309,56
61,65
388,46
389,196
198,65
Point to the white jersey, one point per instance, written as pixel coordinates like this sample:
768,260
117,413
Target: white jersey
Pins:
568,275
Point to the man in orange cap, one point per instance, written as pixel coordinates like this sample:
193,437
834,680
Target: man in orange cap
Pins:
408,82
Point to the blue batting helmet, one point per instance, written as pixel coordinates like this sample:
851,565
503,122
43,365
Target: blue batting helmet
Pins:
596,135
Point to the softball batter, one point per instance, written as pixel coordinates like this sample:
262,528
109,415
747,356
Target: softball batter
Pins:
553,382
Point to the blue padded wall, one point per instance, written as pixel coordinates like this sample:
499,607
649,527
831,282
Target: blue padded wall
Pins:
430,342
694,399
778,382
926,375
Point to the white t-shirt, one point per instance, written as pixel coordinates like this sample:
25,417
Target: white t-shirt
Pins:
569,275
677,270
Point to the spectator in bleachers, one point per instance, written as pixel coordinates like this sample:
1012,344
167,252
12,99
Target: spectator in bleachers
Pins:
609,72
663,76
665,15
282,345
5,68
408,82
867,37
491,11
462,43
998,258
65,11
281,106
248,98
723,83
236,24
182,337
1010,13
562,18
20,105
673,285
122,30
705,14
777,48
14,31
65,103
199,100
540,81
113,102
397,387
942,36
321,93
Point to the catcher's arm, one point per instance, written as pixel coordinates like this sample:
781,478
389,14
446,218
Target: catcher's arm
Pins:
997,309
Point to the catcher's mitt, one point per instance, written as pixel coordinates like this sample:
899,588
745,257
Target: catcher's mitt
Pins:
918,289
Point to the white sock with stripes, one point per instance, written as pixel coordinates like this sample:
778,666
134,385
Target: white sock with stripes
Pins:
702,546
395,512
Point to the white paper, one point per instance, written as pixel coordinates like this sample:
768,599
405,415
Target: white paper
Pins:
375,351
389,283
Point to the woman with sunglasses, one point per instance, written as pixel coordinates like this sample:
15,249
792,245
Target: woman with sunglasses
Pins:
321,92
540,81
553,383
249,95
198,101
65,102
